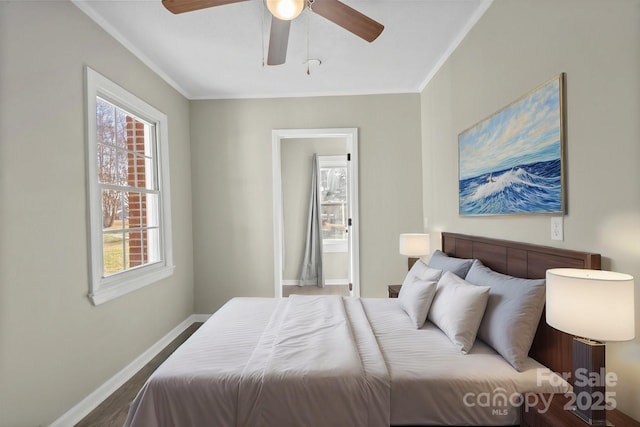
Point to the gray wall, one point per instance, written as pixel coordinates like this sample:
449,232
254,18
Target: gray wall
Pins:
516,46
296,165
232,187
55,347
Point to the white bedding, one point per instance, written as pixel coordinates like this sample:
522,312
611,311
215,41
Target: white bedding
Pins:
433,383
300,361
327,361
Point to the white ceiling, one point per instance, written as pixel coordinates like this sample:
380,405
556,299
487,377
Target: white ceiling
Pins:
218,53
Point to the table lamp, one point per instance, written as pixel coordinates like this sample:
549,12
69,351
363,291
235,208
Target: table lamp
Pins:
414,245
594,306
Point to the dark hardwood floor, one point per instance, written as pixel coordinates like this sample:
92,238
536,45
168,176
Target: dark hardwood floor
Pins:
113,411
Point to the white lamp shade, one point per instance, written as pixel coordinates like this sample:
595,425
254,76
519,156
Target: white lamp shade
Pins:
285,10
414,245
593,304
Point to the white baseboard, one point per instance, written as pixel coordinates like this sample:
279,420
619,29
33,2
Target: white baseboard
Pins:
200,318
89,403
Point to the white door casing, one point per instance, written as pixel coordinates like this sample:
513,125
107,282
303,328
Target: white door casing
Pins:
351,137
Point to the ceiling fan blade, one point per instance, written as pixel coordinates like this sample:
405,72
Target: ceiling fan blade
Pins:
348,18
278,41
181,6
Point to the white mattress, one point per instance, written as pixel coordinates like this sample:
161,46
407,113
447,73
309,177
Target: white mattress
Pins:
433,383
327,361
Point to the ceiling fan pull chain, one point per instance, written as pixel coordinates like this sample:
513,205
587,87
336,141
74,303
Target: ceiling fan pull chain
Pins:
308,37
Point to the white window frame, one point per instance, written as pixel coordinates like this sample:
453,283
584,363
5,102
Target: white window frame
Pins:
103,289
334,245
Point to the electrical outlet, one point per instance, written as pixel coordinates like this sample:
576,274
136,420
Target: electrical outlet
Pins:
557,228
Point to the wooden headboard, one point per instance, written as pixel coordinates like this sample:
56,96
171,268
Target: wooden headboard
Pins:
550,347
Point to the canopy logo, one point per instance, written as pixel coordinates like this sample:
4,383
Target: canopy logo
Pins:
501,402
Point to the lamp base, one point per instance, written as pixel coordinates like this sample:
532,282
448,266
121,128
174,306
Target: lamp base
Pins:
589,381
580,415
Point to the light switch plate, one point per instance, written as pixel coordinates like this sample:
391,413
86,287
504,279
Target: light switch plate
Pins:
557,228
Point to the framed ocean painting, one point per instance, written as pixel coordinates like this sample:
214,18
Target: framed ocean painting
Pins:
512,161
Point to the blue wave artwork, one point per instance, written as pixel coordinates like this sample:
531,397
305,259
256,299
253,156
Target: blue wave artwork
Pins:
511,163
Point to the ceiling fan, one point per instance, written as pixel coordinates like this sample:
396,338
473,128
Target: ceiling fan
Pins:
284,11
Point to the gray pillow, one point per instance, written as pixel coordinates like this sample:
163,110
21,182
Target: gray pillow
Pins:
420,271
457,309
513,312
416,299
442,261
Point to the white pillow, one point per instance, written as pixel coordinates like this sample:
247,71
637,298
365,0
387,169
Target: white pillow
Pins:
416,300
420,271
457,309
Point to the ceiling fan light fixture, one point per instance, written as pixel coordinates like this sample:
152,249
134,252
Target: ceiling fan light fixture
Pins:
285,10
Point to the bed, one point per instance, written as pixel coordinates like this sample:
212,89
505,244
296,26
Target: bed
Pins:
325,361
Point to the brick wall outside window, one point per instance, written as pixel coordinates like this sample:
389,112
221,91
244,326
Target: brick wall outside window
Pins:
137,201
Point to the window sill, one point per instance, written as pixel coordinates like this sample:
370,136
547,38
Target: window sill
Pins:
130,283
335,245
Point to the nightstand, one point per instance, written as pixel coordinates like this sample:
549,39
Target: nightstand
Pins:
558,416
394,290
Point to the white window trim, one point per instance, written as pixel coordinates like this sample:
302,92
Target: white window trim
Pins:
333,245
103,289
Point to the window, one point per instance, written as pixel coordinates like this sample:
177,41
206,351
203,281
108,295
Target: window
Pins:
333,202
128,191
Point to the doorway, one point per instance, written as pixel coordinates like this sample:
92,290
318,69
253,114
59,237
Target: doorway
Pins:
336,151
